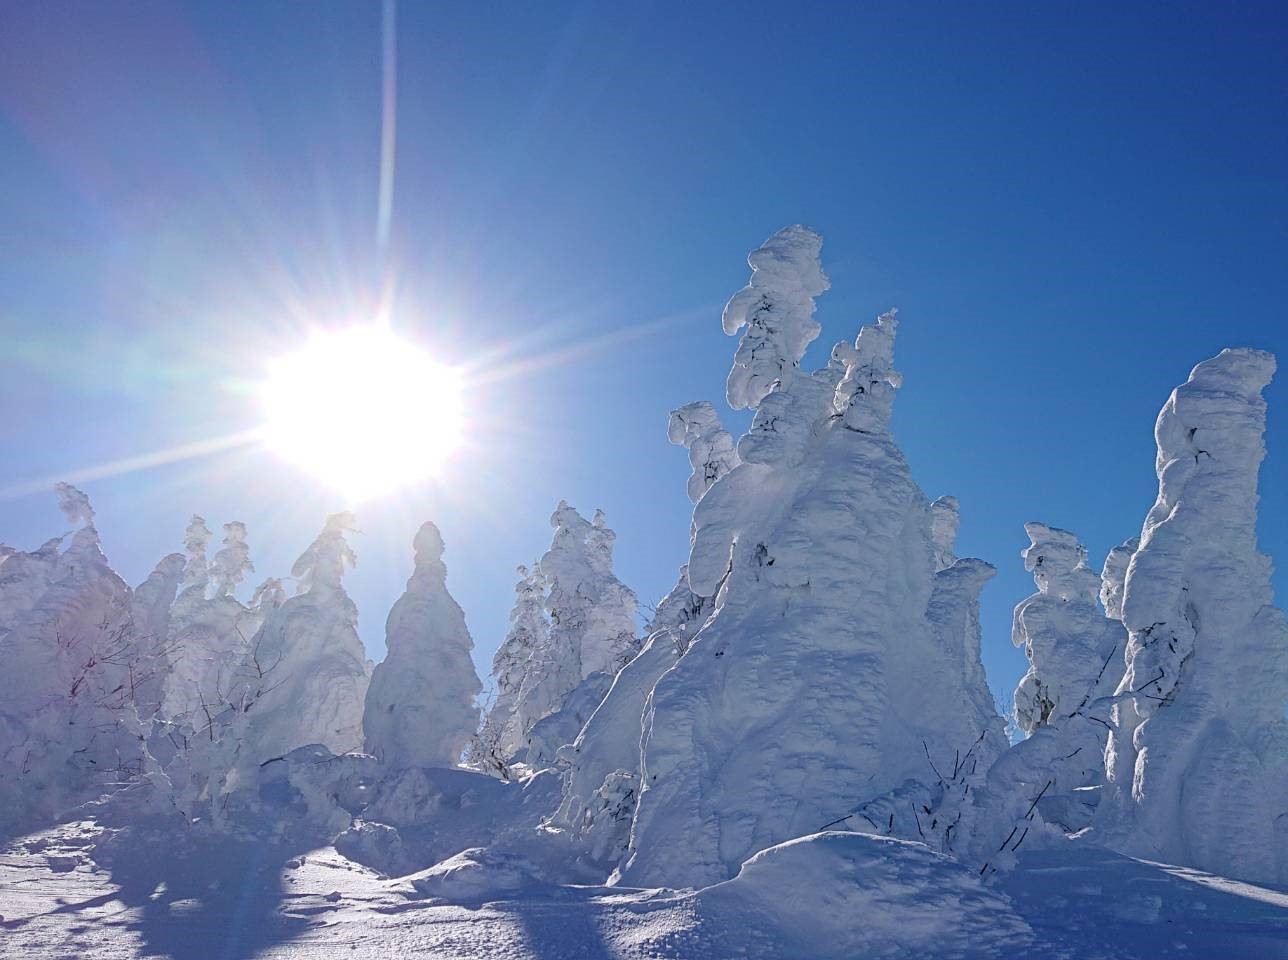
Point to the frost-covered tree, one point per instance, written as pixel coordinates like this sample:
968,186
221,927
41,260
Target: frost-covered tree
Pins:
311,645
420,710
777,308
591,634
69,726
150,614
1113,577
601,784
232,562
209,628
501,738
1199,758
696,427
195,541
820,675
1074,652
268,596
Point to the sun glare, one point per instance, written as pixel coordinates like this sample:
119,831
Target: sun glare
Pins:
362,410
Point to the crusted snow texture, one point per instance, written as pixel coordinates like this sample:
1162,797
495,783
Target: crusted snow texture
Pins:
558,729
68,722
835,896
420,709
150,612
821,672
232,562
696,427
777,308
592,622
311,658
1075,653
501,738
1198,761
475,875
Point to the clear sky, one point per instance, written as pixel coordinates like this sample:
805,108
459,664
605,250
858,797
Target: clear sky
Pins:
1071,204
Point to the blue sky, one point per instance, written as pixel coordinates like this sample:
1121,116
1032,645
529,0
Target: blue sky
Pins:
1070,204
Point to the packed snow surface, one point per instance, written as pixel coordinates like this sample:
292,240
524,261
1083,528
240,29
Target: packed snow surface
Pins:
93,894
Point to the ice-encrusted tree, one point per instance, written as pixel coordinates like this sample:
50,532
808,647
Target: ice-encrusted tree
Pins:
420,710
500,737
1199,758
310,646
820,677
150,614
1036,790
1113,577
601,784
232,562
591,634
69,724
196,539
696,427
209,628
777,308
1075,653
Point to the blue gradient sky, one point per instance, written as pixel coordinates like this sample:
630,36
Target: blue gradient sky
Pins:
1070,204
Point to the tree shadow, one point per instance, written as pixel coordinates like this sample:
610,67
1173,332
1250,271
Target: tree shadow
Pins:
1130,908
200,900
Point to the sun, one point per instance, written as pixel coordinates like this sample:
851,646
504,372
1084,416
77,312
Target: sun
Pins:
362,410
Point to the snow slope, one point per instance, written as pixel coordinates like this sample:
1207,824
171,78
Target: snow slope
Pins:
98,894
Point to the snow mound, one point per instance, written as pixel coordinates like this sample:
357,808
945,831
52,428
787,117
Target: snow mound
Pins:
475,875
848,895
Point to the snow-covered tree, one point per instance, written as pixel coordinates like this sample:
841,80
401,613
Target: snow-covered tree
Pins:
232,562
311,645
1199,758
1074,651
591,634
601,784
1113,577
777,308
268,596
820,674
69,726
195,541
420,710
150,614
209,628
500,737
696,427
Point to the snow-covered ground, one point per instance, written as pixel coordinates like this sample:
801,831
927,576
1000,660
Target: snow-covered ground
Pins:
78,892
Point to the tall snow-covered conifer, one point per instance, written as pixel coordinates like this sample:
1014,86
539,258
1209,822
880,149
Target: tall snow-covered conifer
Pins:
420,710
501,737
1199,760
306,661
68,720
601,786
820,673
591,634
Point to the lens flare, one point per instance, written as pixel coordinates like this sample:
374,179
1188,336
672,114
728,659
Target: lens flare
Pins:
363,411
